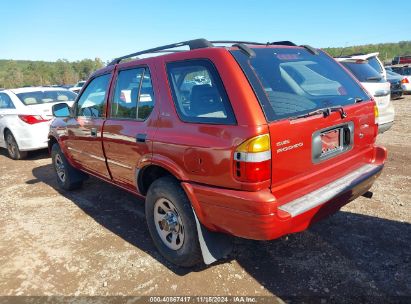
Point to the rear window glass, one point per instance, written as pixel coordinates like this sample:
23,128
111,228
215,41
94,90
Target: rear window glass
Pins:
198,93
373,62
39,97
402,70
291,81
363,71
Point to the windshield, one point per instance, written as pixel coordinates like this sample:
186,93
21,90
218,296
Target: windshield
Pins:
292,81
363,71
402,70
40,97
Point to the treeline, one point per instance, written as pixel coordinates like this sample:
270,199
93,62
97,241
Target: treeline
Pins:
387,50
20,73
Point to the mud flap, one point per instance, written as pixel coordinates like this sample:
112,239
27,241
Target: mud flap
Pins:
214,245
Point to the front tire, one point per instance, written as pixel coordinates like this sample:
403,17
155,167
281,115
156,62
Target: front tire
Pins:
171,222
13,148
68,177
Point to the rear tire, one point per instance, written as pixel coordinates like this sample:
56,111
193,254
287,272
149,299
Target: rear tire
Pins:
13,148
68,177
171,222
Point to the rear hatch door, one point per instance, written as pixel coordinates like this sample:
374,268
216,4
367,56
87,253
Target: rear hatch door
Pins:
321,121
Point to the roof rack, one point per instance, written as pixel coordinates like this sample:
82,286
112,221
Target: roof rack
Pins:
285,42
192,44
236,42
199,44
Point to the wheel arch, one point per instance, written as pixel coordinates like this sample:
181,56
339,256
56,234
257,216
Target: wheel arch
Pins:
52,140
5,130
148,174
157,167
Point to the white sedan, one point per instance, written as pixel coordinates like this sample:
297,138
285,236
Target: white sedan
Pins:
77,87
25,116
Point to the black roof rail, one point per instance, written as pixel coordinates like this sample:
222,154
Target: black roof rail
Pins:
285,42
250,53
310,49
192,44
237,42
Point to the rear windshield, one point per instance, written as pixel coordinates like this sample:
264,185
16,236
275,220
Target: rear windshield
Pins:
402,70
291,81
373,61
363,71
40,97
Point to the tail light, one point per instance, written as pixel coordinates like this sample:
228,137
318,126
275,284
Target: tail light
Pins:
376,114
32,119
252,160
405,80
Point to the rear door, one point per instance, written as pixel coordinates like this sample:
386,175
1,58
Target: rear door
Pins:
84,130
129,130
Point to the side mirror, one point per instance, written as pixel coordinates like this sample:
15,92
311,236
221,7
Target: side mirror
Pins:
61,110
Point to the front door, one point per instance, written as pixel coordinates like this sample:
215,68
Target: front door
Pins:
129,130
84,141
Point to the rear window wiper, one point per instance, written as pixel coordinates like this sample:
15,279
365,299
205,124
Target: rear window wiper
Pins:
324,111
376,78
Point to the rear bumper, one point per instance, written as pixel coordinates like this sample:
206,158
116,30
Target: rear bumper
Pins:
385,127
386,118
256,215
406,87
395,94
33,137
30,137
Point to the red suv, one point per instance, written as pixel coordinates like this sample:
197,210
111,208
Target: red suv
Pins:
237,138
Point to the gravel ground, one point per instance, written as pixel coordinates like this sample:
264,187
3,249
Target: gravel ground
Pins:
94,241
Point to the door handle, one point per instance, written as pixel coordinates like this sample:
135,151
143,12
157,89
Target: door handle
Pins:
93,132
141,137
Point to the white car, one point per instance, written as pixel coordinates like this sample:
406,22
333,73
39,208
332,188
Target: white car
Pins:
373,61
377,86
77,87
25,116
405,71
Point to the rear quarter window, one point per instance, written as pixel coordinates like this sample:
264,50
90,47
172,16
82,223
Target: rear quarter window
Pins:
198,92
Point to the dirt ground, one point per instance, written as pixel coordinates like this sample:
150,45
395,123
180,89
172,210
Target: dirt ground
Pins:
95,241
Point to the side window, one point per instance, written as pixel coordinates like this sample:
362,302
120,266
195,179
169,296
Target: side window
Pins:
5,102
91,102
198,93
133,95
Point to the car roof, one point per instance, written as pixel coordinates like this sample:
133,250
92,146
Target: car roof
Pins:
196,46
36,89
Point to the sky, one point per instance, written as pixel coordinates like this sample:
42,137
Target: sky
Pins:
73,30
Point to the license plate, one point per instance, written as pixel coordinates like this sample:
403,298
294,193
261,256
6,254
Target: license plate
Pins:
330,141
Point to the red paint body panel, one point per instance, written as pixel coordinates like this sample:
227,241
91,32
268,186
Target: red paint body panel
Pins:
255,215
201,155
